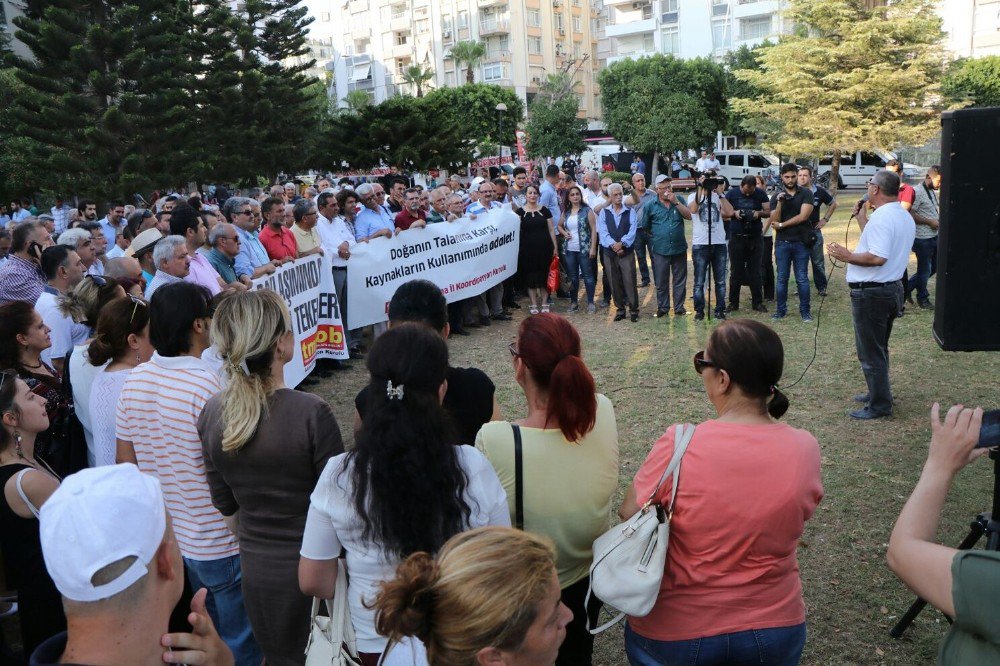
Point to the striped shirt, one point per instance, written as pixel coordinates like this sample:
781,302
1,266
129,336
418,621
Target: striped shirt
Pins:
20,280
158,413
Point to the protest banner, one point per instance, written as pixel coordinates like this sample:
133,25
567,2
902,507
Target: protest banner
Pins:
307,286
464,258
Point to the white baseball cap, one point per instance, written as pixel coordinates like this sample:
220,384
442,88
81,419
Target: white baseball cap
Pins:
97,517
662,177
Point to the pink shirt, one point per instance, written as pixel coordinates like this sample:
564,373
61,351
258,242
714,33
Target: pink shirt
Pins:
744,496
201,272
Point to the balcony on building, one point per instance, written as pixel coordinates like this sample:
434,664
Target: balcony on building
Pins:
492,3
497,73
494,26
630,55
630,28
400,21
499,56
744,8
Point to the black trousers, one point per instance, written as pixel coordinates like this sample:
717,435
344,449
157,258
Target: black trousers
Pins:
767,266
578,648
745,260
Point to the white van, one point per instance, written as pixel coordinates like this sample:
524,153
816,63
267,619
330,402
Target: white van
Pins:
857,169
735,164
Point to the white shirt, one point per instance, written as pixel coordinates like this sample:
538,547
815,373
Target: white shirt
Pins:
331,235
96,268
888,234
699,228
61,333
333,524
593,199
114,252
81,375
104,393
700,164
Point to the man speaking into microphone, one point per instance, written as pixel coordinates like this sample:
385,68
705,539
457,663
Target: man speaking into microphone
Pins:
873,273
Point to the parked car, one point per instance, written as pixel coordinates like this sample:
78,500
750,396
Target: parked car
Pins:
857,169
734,164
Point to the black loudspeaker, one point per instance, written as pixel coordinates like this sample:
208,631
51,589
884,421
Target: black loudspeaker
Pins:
967,304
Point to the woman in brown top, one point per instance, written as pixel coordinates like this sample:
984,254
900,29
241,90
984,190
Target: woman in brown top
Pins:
265,447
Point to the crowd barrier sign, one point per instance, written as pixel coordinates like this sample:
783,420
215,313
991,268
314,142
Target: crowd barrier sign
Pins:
464,258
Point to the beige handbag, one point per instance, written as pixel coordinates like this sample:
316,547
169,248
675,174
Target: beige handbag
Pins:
331,639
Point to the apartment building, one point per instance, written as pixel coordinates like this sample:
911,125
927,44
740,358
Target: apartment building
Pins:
367,44
710,28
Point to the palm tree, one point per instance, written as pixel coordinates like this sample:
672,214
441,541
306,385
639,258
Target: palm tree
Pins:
471,53
356,100
417,76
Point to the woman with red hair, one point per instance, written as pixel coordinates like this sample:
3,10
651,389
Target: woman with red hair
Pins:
558,464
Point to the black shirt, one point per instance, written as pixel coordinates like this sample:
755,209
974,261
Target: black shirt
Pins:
820,196
569,166
740,201
469,401
790,209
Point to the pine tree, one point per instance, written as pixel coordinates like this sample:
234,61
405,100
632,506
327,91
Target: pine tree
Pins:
850,78
97,90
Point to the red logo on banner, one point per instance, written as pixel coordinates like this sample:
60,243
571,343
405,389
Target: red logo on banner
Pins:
326,336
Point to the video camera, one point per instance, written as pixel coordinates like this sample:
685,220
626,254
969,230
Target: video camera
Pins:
711,180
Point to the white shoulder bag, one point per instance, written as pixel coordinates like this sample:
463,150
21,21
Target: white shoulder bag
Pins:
331,639
629,558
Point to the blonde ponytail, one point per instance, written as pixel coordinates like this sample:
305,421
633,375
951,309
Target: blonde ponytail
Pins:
245,331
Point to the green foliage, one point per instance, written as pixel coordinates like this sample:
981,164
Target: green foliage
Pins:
617,176
471,53
405,132
742,58
19,174
974,80
662,103
553,127
356,100
473,106
417,76
860,79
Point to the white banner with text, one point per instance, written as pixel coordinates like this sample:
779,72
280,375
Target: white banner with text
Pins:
307,286
465,258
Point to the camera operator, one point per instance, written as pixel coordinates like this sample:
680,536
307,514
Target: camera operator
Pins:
708,243
820,196
791,207
751,207
964,584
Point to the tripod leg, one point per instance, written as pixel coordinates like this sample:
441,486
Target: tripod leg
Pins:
976,531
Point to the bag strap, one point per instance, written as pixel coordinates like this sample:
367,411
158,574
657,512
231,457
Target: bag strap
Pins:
20,491
340,616
683,433
518,478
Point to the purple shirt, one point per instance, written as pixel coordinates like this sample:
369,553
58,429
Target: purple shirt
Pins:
20,280
201,272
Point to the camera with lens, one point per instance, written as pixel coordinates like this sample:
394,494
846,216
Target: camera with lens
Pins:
745,216
710,180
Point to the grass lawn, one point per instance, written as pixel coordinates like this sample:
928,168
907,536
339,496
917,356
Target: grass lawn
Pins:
868,468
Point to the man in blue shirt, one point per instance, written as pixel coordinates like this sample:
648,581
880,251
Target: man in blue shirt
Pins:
252,260
663,220
616,229
548,196
373,221
112,223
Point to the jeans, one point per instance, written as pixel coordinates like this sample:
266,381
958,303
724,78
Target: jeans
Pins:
641,246
926,251
718,256
745,265
873,311
767,267
224,580
576,263
786,252
666,266
818,264
780,646
622,273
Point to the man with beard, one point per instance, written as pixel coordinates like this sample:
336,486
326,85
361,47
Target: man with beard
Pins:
751,207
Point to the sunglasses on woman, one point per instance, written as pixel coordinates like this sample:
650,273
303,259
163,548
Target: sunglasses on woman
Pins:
700,362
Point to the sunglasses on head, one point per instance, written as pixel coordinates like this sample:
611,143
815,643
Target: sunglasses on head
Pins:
136,303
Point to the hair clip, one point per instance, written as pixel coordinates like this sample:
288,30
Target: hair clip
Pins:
391,392
771,389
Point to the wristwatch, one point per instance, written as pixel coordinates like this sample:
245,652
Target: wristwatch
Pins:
781,224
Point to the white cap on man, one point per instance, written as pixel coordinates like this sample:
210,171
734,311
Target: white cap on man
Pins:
663,178
95,518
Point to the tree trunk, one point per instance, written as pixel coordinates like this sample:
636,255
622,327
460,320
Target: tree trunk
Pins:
656,167
470,76
835,171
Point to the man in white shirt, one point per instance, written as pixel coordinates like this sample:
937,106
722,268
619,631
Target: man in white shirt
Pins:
63,269
701,165
337,240
712,164
60,214
873,274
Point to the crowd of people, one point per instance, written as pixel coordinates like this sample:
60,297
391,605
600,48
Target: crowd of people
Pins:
144,416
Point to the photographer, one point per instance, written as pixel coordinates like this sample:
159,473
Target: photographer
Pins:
964,584
708,242
791,208
751,207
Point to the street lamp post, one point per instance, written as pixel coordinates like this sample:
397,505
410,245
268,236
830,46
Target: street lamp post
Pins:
501,108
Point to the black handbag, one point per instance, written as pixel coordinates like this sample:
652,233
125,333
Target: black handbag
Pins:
66,449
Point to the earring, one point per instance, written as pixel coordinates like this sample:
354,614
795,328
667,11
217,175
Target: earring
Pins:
137,357
17,444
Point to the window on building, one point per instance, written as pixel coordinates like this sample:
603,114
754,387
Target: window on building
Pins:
670,11
648,45
535,45
402,38
398,11
670,41
559,22
504,43
757,27
446,24
463,20
423,26
534,18
361,46
722,34
493,72
647,12
401,66
324,17
361,72
720,7
576,3
577,24
576,50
